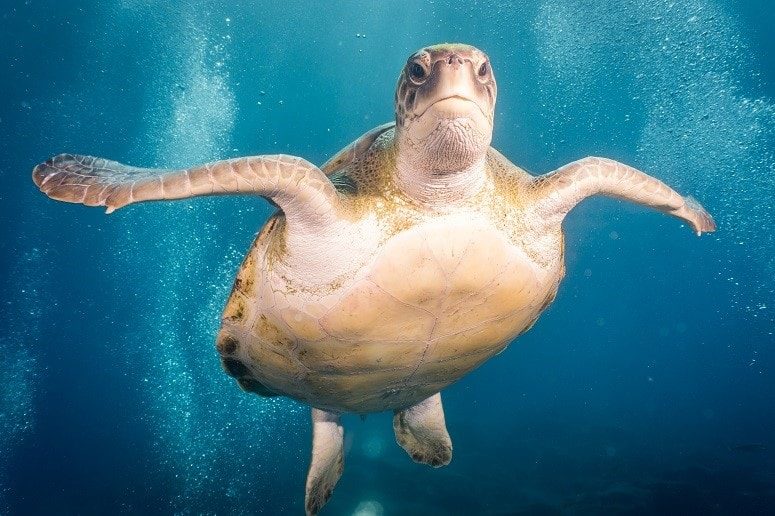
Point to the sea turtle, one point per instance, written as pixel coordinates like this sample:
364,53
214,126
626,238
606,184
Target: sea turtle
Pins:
406,261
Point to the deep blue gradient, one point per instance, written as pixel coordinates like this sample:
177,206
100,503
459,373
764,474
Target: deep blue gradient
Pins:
647,387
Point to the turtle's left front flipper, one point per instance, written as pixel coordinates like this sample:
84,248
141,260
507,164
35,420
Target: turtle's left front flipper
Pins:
556,193
301,190
422,432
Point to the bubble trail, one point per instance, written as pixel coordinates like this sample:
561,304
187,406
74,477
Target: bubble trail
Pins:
191,404
18,365
703,130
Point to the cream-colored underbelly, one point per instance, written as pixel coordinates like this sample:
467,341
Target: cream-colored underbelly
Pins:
435,302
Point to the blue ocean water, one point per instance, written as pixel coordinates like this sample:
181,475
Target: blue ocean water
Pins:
646,388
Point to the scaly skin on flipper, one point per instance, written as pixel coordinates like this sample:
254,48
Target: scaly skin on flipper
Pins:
296,185
556,193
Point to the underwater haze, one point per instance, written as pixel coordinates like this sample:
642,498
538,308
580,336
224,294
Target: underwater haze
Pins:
648,387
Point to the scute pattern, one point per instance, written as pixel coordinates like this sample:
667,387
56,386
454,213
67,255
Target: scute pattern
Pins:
440,293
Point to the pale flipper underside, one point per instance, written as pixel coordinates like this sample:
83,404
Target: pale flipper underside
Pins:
327,459
559,191
421,431
297,186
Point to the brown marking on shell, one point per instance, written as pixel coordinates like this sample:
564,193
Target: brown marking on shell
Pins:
235,307
401,221
226,344
265,329
246,277
276,247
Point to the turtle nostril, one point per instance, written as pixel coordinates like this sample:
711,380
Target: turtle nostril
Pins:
454,59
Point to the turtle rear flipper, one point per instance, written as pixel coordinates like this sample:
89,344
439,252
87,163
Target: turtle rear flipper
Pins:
422,432
327,459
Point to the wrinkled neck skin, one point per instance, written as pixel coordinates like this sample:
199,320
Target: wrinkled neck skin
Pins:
442,165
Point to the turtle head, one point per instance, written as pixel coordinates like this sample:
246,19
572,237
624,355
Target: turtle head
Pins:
445,103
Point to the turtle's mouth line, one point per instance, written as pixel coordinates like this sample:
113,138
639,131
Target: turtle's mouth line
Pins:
459,97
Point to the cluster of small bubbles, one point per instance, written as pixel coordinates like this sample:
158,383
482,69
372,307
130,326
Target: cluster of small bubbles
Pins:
566,43
369,508
207,432
17,414
373,447
701,121
203,111
702,131
18,365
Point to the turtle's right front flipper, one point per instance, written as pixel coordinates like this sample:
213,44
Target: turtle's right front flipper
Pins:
302,191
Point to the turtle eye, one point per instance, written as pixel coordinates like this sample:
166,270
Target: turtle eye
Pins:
417,72
483,69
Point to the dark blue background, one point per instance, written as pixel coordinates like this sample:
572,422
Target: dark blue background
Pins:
636,393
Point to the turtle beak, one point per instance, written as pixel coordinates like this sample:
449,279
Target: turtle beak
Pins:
453,90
